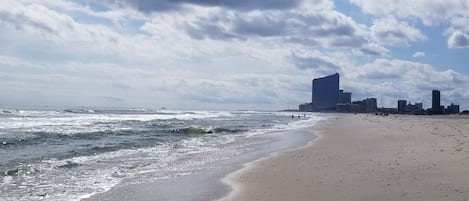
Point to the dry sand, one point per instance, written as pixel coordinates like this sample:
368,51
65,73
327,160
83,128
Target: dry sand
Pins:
366,158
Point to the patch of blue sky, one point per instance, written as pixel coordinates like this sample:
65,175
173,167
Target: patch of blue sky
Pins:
132,26
352,11
435,47
85,18
129,26
96,6
436,51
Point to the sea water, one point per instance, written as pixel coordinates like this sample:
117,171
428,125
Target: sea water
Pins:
73,154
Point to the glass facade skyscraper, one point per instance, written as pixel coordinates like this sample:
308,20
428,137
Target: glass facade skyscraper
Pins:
401,104
436,105
326,92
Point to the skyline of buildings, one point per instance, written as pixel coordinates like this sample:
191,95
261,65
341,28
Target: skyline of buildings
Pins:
327,97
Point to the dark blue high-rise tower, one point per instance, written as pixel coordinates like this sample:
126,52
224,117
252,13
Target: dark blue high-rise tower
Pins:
436,106
326,92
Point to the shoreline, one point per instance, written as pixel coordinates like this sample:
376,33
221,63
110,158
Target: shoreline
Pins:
207,182
229,179
365,158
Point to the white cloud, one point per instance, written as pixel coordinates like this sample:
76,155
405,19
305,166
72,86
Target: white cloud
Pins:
389,31
373,49
60,28
429,11
203,56
110,84
12,61
451,13
458,40
410,80
418,54
326,28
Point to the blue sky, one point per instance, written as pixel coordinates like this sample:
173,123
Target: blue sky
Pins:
211,54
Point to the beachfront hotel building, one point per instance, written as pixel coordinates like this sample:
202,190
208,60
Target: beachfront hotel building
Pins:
371,105
401,106
345,97
452,109
436,105
325,93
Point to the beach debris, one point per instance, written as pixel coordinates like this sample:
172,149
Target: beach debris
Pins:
13,172
42,194
117,174
70,164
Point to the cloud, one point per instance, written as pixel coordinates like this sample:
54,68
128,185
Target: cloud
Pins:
410,80
208,54
53,26
113,99
312,28
12,61
169,5
458,40
401,69
243,90
429,11
418,54
319,64
381,69
450,13
389,31
203,30
373,49
263,25
209,91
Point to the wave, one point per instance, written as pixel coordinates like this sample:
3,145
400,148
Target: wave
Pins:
89,153
79,111
72,123
69,164
7,112
197,130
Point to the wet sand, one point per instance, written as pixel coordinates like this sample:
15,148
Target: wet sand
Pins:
204,183
366,158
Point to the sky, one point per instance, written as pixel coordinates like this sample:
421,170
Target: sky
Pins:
224,54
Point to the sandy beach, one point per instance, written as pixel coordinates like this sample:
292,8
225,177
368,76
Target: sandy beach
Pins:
366,158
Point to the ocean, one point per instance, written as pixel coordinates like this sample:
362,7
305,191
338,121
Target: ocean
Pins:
74,154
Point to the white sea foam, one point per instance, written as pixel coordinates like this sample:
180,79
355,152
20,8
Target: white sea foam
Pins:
308,121
70,123
82,176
